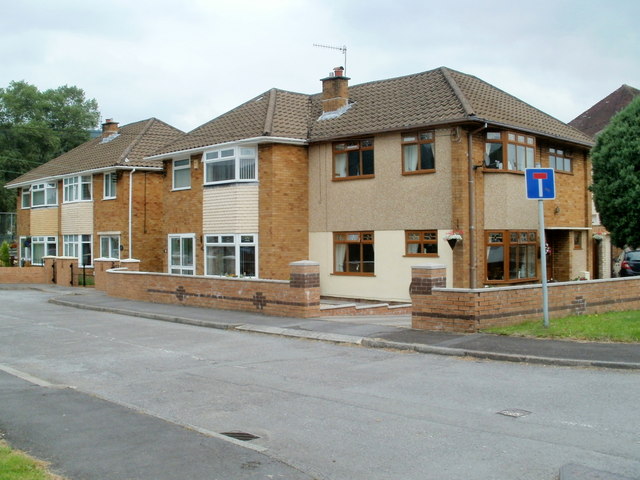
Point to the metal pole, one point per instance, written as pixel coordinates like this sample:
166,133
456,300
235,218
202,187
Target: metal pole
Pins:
543,263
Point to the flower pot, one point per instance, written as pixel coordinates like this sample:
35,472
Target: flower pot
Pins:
452,242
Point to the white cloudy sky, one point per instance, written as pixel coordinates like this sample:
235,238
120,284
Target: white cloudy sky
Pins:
186,62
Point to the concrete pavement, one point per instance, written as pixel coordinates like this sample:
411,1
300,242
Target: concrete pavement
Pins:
392,332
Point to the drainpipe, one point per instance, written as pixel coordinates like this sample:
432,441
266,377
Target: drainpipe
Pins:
473,267
131,212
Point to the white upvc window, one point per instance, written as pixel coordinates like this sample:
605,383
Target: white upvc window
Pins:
182,254
26,197
232,164
78,246
182,174
44,194
231,255
42,247
77,188
110,246
110,182
25,249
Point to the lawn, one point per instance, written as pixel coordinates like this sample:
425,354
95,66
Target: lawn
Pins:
606,327
15,465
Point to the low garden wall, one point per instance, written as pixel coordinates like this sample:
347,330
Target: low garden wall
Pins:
24,275
298,297
467,310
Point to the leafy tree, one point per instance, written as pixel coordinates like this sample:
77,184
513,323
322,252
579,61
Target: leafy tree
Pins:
616,176
37,126
5,258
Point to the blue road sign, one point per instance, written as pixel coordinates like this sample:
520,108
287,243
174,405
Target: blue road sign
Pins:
541,183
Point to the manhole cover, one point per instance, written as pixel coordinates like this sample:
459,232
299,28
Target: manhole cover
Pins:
515,412
243,436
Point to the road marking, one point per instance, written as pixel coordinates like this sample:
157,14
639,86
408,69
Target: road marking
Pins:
30,378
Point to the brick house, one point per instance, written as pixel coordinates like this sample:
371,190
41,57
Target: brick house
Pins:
101,199
369,179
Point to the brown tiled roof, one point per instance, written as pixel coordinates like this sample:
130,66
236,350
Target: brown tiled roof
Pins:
134,142
436,97
597,117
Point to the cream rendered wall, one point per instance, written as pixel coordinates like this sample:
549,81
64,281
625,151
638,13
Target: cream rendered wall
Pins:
392,269
77,218
506,206
579,256
388,205
44,221
230,209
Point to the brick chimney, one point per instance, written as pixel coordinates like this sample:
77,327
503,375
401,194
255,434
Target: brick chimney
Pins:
335,91
109,127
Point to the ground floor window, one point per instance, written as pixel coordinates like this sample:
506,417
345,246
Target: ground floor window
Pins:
511,255
353,253
33,249
421,243
231,255
182,254
110,246
78,246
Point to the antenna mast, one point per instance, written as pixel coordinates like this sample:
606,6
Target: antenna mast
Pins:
343,49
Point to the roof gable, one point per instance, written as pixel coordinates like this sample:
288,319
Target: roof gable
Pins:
596,118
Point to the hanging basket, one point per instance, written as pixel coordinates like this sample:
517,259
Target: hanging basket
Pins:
452,242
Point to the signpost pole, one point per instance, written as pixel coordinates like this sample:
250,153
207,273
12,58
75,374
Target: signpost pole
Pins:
543,263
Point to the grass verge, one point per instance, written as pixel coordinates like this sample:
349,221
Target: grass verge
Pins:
16,465
606,327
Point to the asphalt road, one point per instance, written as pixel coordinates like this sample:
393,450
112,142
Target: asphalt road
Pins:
335,412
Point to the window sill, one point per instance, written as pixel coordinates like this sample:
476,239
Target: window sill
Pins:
180,189
353,274
419,172
108,198
506,283
501,170
421,255
41,206
357,177
76,201
227,182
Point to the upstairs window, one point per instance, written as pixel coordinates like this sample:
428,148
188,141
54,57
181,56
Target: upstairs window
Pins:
418,152
559,160
26,197
110,181
353,159
77,188
44,194
182,174
509,151
234,164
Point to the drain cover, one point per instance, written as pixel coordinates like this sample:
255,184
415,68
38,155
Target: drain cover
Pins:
243,436
515,412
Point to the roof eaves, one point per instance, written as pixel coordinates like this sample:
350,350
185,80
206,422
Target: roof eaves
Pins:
537,132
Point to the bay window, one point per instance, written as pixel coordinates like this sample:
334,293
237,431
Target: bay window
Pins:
509,151
232,164
353,253
44,194
511,255
231,255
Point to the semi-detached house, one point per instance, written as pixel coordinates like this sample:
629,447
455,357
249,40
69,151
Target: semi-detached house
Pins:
101,199
370,179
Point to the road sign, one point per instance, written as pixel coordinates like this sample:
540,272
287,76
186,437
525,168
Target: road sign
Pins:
541,183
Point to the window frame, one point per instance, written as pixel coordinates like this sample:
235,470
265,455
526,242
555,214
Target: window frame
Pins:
562,155
237,242
418,142
75,188
507,244
110,239
508,139
74,246
180,168
236,154
427,237
181,269
25,194
109,185
363,145
362,241
46,241
45,190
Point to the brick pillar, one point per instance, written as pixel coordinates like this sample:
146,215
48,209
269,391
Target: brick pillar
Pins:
130,264
425,277
63,270
49,263
304,287
100,266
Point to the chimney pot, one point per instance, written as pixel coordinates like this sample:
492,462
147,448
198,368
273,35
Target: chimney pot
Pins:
338,71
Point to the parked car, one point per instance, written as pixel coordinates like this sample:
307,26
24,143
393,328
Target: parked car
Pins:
627,264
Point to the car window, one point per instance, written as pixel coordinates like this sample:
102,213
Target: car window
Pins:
633,256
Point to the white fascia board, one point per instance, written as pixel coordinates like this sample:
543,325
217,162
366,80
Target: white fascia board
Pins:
244,141
83,172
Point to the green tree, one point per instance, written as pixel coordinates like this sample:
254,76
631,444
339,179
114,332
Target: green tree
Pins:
5,258
616,176
37,126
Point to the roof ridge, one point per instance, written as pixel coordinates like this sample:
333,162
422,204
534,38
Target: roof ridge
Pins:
468,109
135,141
271,108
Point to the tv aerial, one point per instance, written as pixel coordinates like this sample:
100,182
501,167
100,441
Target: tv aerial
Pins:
342,49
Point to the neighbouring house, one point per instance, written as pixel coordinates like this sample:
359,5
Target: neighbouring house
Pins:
592,122
371,179
101,199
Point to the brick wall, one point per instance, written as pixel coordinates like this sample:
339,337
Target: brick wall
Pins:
466,310
299,297
24,275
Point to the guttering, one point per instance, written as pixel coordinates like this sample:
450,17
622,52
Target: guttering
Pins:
131,211
473,267
244,141
81,172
